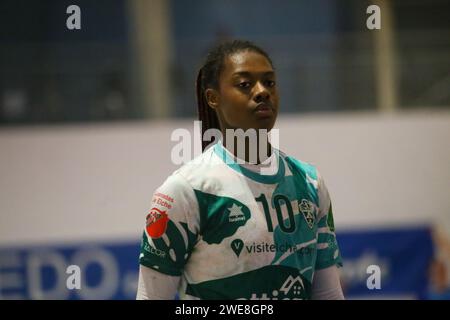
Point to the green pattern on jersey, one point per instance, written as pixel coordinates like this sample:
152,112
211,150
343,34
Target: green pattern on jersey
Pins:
220,217
287,283
170,258
301,242
330,221
301,248
304,173
330,255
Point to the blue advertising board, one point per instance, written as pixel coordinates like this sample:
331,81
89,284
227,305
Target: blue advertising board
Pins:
401,257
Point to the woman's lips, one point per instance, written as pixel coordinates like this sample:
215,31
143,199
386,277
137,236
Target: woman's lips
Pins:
264,110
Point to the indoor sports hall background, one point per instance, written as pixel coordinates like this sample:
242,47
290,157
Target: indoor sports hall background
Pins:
90,95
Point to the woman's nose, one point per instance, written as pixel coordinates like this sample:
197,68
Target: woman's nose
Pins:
261,93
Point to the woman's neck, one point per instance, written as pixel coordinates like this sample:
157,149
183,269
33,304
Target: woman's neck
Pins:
247,149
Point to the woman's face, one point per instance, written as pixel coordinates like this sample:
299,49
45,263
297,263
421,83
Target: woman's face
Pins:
247,96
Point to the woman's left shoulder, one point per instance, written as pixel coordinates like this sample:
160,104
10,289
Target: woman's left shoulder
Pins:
296,164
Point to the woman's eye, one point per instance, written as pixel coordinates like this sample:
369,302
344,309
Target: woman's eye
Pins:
270,83
244,84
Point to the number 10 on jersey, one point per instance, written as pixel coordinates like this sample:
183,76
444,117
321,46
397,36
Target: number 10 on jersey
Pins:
288,225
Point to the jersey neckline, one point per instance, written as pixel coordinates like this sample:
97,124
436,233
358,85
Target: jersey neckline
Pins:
228,159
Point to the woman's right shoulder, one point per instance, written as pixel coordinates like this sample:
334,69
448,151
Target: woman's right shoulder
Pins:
199,168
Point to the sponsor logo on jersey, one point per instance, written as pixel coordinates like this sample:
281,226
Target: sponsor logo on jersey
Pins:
291,289
164,196
157,221
235,213
237,245
293,285
164,200
154,251
307,208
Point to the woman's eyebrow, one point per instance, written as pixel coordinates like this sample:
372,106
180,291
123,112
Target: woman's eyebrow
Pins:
248,73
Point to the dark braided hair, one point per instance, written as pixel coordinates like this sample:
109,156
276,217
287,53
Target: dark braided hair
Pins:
208,77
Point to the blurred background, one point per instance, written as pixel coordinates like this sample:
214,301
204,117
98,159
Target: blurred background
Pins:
86,117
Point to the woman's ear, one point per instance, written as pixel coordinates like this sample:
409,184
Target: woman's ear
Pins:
212,98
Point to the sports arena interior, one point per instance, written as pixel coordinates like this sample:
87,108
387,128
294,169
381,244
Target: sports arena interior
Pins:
91,92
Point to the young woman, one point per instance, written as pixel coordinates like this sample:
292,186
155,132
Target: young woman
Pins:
221,228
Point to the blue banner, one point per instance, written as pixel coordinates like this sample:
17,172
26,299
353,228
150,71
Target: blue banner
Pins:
85,271
377,264
402,256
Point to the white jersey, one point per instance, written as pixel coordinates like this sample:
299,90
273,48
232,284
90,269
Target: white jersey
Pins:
232,232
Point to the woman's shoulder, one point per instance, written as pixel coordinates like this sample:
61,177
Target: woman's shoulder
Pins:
199,165
297,165
196,171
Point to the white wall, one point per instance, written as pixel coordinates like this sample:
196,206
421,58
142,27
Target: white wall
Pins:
94,182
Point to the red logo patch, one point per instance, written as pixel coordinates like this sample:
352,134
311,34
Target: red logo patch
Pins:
156,223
